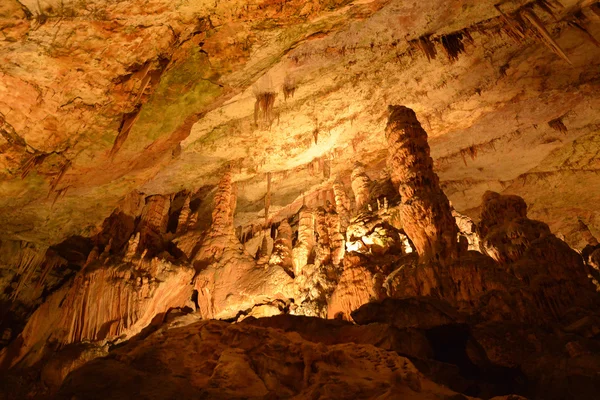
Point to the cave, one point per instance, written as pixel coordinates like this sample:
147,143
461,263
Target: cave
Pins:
299,199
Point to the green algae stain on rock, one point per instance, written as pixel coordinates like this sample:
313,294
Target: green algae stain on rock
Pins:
185,89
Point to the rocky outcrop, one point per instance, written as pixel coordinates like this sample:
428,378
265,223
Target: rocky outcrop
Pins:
107,301
425,211
229,281
218,360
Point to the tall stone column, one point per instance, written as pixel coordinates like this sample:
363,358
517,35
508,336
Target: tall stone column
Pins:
360,186
425,211
342,204
282,248
225,202
306,240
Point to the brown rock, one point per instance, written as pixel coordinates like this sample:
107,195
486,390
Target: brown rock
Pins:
103,303
360,186
425,210
230,281
234,361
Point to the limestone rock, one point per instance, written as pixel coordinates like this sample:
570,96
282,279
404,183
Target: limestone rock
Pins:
360,186
221,360
230,281
425,211
103,303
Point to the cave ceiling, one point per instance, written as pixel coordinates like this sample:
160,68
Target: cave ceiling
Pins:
99,98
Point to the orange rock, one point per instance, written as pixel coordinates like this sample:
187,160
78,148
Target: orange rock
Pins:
425,210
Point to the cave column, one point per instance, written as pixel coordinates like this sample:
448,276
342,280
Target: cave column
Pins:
425,211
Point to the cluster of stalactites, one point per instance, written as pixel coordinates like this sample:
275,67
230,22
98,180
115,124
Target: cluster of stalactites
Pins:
425,210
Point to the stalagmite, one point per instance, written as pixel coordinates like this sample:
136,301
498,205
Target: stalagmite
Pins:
425,210
342,204
323,242
184,216
154,219
282,248
336,238
306,240
231,281
360,186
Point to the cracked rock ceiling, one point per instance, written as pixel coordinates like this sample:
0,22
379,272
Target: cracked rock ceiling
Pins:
102,97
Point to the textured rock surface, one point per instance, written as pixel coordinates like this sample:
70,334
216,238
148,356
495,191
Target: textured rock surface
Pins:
217,360
84,86
229,280
196,157
425,211
104,302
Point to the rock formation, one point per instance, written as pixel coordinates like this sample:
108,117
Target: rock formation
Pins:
282,248
425,211
131,265
360,186
302,254
342,204
229,280
217,359
107,301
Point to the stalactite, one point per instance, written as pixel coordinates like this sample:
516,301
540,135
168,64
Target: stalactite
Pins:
289,87
263,107
426,46
301,253
425,210
268,198
360,186
453,45
543,33
558,125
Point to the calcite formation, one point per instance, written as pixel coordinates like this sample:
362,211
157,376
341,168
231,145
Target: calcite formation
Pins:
169,164
303,252
425,211
229,280
360,186
342,204
107,301
282,248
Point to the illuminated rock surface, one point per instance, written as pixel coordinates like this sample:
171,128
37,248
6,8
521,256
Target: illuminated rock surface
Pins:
299,199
